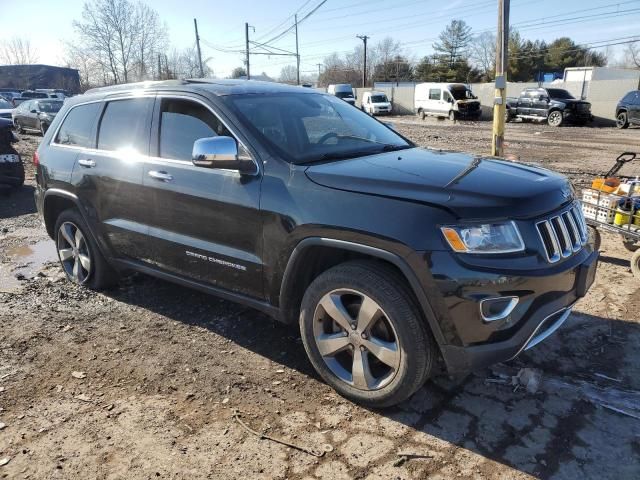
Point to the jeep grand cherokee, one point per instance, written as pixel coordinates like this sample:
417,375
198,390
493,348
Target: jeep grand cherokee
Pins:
395,261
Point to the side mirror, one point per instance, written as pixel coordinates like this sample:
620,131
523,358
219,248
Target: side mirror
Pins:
34,111
220,152
542,98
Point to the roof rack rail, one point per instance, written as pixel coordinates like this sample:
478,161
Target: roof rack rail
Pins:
137,85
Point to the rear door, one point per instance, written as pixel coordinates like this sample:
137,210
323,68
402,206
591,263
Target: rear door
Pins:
109,176
205,224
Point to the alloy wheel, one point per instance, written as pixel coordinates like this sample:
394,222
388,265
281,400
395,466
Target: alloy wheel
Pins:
621,120
555,118
356,339
73,252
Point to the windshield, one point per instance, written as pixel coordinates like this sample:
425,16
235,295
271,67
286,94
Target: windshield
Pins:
49,107
559,93
461,93
4,104
344,94
379,99
306,128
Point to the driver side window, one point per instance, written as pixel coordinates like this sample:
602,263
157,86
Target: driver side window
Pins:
182,122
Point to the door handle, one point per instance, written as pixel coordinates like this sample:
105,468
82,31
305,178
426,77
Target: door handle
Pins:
162,176
85,162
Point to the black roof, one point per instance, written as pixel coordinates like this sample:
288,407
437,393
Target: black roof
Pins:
219,87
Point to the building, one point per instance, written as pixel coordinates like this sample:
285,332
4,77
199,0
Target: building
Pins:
39,76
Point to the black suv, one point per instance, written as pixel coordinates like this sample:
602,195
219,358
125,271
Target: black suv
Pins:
628,110
397,262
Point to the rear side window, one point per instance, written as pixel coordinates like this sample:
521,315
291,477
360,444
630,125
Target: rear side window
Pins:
77,128
434,94
125,125
182,122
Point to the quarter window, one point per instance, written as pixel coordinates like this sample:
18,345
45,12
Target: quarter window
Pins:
182,122
77,128
125,125
434,94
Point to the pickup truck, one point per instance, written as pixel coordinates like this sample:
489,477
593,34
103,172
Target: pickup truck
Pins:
554,105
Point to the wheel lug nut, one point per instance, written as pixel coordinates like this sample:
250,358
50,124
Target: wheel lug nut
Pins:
362,348
364,335
353,326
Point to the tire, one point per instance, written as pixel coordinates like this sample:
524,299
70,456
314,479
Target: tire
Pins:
452,115
422,114
396,321
507,116
19,127
631,245
43,128
555,118
635,264
85,264
622,120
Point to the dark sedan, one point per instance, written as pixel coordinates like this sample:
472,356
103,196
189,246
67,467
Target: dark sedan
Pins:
628,110
36,115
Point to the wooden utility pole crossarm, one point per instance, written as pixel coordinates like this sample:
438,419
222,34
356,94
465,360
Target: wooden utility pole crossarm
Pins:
502,61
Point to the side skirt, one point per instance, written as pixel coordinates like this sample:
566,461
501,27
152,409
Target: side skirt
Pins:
260,305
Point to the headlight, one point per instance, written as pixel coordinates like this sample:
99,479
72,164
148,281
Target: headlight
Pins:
484,238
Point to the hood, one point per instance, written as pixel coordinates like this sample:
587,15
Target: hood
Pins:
468,186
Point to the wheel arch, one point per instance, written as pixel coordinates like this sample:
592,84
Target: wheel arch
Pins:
55,202
314,255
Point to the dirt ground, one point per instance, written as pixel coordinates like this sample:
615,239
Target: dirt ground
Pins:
142,381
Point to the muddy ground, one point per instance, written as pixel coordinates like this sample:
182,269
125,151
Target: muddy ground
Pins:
141,382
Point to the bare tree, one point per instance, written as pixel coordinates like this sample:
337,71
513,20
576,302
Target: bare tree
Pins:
288,74
121,37
184,64
18,51
632,55
482,53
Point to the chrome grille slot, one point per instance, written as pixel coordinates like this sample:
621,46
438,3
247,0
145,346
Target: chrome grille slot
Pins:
564,234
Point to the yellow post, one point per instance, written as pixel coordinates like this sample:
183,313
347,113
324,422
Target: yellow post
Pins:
500,97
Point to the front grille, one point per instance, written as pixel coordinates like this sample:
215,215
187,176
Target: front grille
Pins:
564,234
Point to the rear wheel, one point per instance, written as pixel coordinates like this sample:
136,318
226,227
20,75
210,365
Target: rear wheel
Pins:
364,335
622,120
507,116
79,255
555,118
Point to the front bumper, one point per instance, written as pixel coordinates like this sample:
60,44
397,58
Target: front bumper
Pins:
577,116
546,299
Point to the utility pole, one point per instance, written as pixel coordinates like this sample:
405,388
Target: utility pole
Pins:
246,36
502,58
364,38
159,68
195,24
297,53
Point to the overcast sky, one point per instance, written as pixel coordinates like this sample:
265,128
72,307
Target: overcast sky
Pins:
415,23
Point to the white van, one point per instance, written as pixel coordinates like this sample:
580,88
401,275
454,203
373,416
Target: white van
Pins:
376,103
452,100
343,91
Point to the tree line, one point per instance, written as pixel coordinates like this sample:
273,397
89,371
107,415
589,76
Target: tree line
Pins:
461,56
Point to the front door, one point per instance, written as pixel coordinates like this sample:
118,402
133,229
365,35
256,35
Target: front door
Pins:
634,108
205,223
540,104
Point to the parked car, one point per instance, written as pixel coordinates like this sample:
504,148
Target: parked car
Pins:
9,95
54,92
628,110
11,167
446,100
376,103
553,105
36,115
395,261
5,109
343,91
28,95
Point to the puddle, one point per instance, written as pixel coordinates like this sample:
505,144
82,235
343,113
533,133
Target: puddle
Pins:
27,261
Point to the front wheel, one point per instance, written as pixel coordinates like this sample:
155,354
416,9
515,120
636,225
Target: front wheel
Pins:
555,118
622,120
364,335
422,114
631,245
452,115
43,128
79,255
507,116
19,126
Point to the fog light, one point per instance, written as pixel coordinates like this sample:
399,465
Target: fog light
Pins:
499,308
